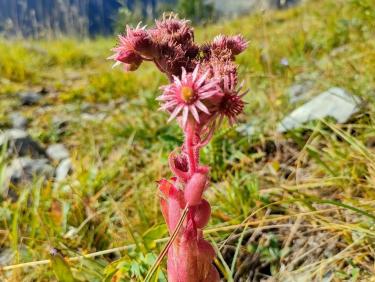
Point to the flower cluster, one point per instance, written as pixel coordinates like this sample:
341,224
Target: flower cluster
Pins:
203,90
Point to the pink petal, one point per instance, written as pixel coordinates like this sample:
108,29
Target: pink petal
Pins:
207,87
165,97
226,83
183,75
176,111
116,64
244,93
113,57
232,80
202,107
194,112
185,115
177,81
122,39
241,84
160,98
208,94
169,104
169,91
202,79
195,73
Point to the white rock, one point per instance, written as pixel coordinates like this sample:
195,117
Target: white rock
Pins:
12,134
25,168
63,169
57,152
18,120
335,103
20,143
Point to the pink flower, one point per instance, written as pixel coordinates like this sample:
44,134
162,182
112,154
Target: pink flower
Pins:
202,92
236,44
133,48
172,28
174,56
186,95
232,103
174,40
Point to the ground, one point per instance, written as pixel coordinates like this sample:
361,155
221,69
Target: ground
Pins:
297,206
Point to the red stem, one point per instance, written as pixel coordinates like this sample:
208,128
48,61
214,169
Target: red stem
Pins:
189,146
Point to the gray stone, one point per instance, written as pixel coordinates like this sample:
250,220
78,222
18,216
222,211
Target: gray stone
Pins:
84,107
299,91
30,98
246,129
12,134
18,120
20,143
335,103
57,152
93,117
63,169
60,122
6,256
25,169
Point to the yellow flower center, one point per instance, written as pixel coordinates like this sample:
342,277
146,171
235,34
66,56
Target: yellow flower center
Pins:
187,93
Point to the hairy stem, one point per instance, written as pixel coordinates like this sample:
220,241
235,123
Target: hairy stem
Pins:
190,146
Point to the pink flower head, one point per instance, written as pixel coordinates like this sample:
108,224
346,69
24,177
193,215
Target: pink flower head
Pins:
133,48
173,57
232,103
202,92
187,95
173,28
223,68
236,44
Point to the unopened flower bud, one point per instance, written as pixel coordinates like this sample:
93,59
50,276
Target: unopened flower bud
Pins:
179,165
194,189
202,214
206,249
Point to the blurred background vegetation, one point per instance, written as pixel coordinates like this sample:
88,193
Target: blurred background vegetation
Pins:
46,18
287,206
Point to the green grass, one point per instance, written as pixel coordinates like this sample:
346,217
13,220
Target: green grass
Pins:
301,204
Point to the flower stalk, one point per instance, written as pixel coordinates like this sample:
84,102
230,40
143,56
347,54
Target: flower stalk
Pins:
202,92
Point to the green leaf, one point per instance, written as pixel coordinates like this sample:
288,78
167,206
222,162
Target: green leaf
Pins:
152,234
135,269
61,268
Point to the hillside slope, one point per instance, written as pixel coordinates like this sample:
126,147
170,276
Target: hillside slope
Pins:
298,206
